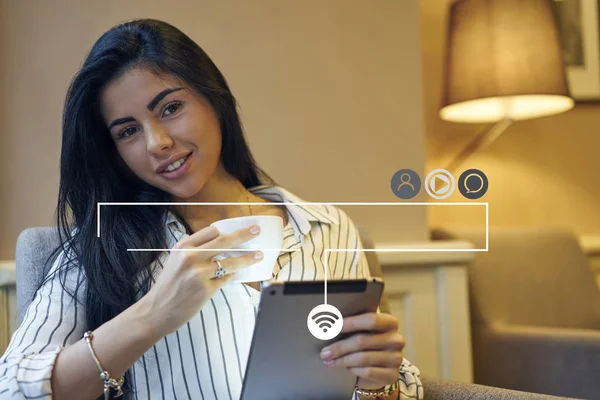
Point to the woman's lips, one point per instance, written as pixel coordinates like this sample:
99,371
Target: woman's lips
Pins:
183,168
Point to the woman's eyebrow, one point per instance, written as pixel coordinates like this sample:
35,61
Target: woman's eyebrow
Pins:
160,96
150,106
120,121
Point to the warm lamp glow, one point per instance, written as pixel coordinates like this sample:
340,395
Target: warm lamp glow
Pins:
493,109
503,61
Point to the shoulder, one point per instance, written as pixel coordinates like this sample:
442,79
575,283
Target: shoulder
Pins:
345,228
67,269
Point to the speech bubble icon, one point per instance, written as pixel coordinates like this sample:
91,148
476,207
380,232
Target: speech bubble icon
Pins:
469,187
481,183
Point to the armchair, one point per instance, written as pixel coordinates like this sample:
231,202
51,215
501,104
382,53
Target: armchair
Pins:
535,311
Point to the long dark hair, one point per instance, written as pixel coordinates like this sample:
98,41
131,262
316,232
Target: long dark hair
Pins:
91,170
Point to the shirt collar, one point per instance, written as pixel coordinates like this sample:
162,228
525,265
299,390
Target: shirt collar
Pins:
303,213
300,216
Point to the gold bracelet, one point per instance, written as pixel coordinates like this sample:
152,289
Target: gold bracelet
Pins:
104,375
377,393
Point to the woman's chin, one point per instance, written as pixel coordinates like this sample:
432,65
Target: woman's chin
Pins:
182,193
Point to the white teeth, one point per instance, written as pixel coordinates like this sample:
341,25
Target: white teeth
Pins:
175,165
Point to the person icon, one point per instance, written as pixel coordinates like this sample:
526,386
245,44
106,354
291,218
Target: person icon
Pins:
406,184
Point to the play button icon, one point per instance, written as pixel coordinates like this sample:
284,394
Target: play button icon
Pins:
440,184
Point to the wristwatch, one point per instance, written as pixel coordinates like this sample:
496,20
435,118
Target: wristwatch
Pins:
377,393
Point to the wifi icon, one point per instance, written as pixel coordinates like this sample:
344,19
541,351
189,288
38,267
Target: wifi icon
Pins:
325,319
325,322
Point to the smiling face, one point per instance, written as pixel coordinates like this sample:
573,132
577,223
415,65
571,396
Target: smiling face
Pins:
166,133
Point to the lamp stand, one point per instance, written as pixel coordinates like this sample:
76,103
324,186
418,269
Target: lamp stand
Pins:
482,140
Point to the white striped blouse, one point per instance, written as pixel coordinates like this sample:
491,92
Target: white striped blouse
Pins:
206,357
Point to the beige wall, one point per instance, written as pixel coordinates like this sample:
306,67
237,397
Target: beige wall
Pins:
541,172
345,75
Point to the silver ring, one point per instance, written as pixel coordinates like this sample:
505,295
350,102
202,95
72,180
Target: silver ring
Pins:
220,271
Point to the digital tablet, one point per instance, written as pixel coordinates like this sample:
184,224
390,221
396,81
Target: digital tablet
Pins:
284,360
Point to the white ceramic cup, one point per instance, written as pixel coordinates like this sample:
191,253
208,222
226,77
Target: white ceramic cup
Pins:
269,241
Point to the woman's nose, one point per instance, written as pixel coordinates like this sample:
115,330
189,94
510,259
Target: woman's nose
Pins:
158,139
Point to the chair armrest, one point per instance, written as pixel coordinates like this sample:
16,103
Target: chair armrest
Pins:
559,361
441,390
568,336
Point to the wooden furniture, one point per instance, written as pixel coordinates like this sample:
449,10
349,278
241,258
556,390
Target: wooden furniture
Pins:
428,293
8,302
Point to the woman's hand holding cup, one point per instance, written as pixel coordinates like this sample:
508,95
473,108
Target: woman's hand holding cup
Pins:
191,275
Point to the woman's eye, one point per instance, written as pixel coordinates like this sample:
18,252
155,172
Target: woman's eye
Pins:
171,108
126,132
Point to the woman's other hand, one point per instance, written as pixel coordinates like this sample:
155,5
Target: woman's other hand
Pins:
373,352
188,279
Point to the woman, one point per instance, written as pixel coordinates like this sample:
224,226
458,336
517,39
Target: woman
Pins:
149,118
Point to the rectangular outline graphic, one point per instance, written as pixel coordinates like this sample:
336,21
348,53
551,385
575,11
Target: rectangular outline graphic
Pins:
327,251
486,204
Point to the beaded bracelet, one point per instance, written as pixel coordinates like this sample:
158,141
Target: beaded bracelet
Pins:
104,375
377,394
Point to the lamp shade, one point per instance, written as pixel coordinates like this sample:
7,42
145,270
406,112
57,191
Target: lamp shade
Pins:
503,60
